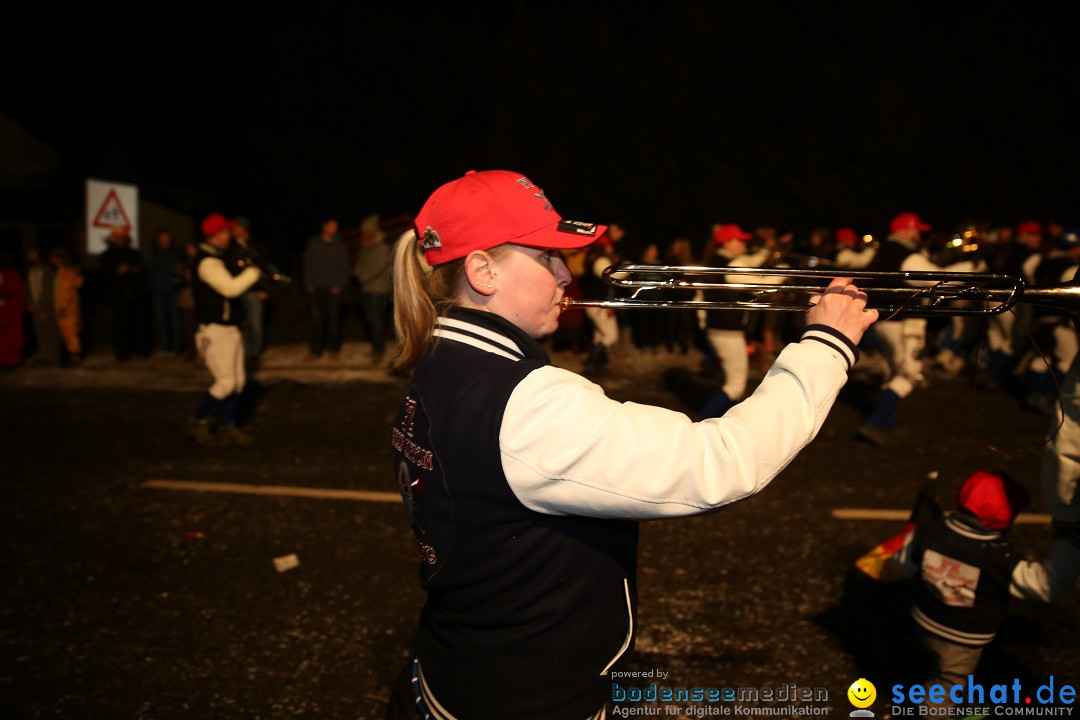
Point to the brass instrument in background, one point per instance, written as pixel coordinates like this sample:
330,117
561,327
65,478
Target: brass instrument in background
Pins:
248,255
799,260
965,244
783,259
937,293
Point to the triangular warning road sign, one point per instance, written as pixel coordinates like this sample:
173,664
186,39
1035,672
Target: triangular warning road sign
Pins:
112,213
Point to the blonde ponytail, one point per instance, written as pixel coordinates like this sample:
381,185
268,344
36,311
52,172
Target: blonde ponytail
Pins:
414,312
422,294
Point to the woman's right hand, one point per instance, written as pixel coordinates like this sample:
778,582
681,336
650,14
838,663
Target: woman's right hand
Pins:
842,306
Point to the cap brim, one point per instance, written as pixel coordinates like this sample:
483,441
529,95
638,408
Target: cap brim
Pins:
563,235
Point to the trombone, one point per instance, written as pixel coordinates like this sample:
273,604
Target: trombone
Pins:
898,294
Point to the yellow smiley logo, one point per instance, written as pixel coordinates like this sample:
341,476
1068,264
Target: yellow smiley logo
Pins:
862,693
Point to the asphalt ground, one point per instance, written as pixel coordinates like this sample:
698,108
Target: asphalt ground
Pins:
126,601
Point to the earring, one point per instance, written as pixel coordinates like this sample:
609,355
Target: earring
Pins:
490,285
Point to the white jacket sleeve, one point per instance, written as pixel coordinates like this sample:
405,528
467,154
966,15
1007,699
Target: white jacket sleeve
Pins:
855,260
212,271
1047,580
756,259
917,262
569,449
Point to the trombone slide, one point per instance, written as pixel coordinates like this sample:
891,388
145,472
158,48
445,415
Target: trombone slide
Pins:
904,293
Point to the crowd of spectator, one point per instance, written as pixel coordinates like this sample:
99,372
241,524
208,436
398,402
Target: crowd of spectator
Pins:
45,309
139,302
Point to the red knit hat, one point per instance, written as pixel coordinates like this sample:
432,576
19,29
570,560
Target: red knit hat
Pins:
485,209
995,499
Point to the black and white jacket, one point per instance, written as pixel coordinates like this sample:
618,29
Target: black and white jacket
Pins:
523,483
216,288
968,572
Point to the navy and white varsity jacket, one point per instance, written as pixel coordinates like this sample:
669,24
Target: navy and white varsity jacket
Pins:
523,483
968,572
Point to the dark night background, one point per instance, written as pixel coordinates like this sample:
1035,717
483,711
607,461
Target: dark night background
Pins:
668,118
122,601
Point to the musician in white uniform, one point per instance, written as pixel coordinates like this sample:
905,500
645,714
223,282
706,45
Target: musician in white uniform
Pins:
903,339
726,329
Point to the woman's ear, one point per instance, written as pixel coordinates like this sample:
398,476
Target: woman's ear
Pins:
480,272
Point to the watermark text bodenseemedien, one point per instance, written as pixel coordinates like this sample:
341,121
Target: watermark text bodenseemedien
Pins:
788,692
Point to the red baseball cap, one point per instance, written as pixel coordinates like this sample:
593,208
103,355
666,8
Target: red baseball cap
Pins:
730,232
846,234
215,223
1029,227
908,221
489,208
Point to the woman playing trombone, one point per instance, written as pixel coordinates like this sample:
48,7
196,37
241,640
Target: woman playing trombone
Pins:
524,483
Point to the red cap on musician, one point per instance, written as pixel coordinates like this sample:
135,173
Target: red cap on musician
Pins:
846,235
995,499
908,221
1029,227
489,208
723,233
213,224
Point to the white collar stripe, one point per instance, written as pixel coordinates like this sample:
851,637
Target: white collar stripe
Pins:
960,529
502,348
451,334
453,323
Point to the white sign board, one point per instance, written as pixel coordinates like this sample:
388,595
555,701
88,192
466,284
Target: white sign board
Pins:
109,204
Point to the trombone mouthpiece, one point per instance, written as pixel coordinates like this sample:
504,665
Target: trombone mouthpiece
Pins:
566,302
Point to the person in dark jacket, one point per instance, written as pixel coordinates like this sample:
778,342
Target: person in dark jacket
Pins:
123,273
163,275
372,271
326,272
253,300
